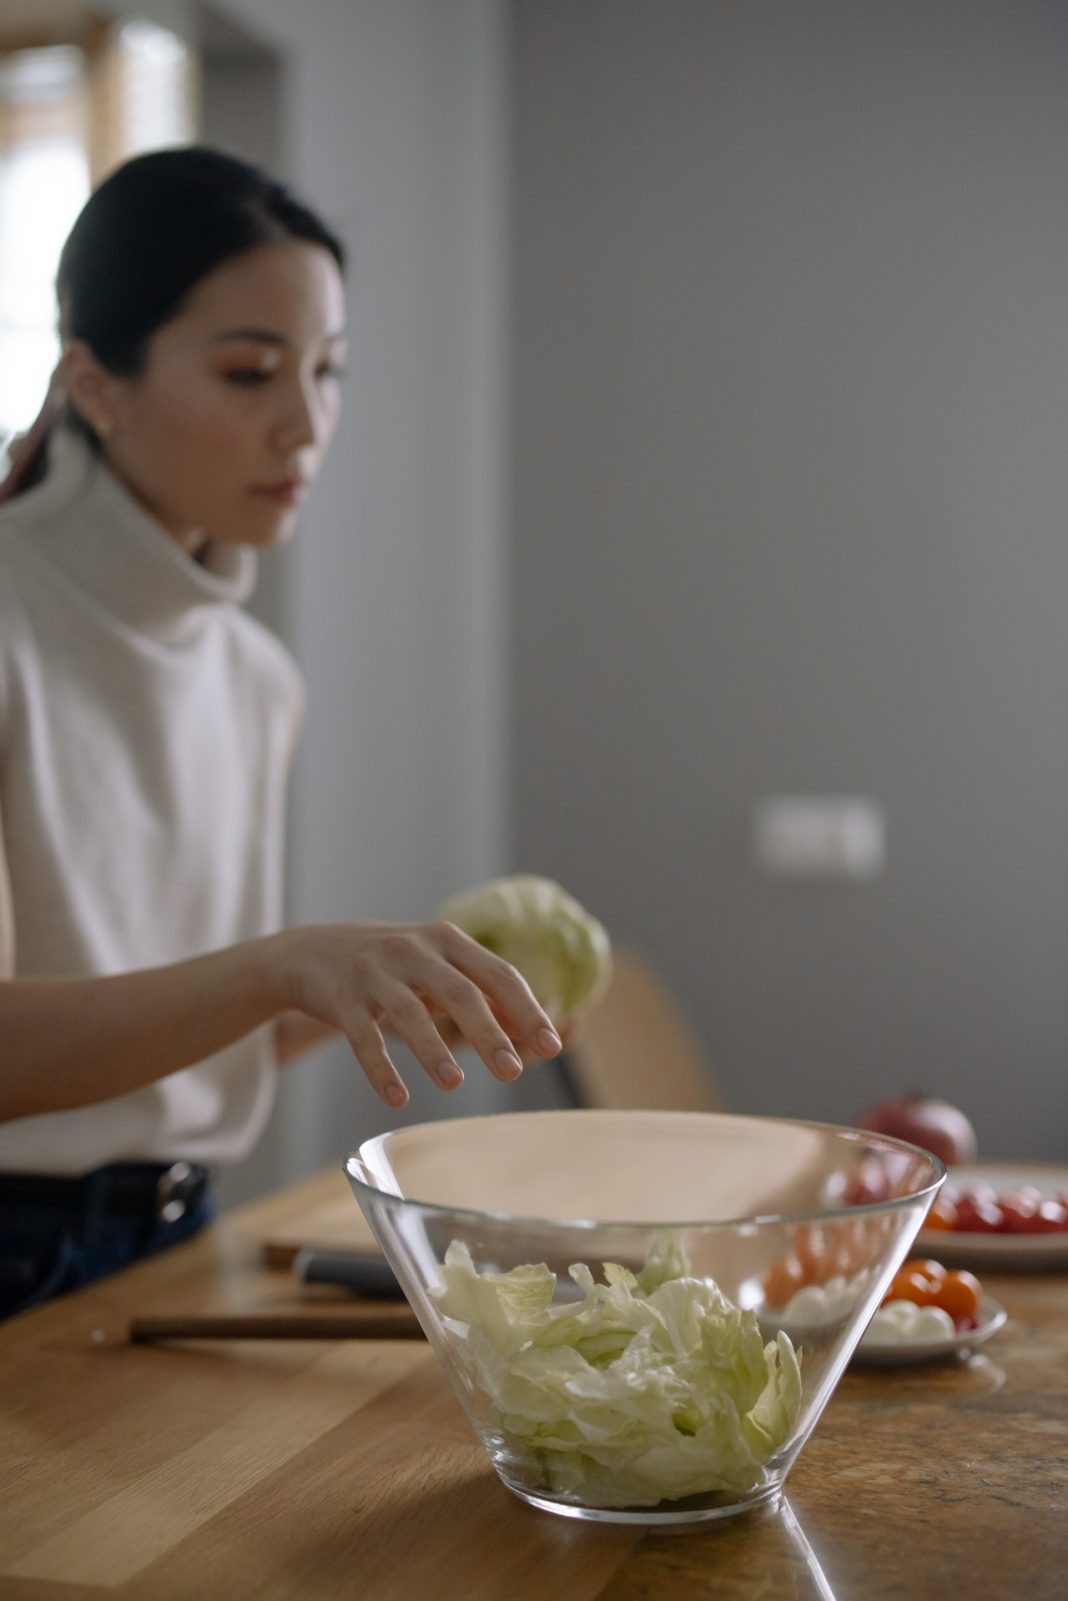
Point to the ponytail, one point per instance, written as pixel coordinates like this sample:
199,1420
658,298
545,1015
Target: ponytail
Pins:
28,456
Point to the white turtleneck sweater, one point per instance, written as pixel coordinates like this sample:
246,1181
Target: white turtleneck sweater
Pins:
146,727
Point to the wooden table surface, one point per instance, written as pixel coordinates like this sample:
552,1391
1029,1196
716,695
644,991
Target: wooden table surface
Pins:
311,1469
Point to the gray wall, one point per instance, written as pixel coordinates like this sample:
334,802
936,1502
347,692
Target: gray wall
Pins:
392,595
771,498
790,381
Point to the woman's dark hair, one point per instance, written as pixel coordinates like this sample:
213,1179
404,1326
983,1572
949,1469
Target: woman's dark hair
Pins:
153,230
142,242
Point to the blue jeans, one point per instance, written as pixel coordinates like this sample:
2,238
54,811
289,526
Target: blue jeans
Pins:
49,1247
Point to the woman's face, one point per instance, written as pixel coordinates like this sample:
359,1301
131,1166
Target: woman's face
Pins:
224,430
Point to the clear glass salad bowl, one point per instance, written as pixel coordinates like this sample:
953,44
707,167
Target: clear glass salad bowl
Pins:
610,1291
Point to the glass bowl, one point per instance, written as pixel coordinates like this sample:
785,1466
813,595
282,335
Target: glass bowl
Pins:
610,1292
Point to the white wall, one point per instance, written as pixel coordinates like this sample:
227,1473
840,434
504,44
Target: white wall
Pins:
791,486
392,594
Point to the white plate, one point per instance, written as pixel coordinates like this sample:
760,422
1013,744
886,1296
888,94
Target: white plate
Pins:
1005,1253
908,1353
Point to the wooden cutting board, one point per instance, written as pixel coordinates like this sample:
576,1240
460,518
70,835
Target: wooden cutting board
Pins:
335,1224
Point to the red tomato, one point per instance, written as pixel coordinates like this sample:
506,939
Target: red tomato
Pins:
867,1184
927,1121
977,1215
1051,1217
1018,1209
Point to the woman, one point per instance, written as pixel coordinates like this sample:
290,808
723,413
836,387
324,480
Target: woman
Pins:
146,725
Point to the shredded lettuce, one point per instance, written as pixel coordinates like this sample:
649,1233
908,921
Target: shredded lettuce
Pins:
646,1388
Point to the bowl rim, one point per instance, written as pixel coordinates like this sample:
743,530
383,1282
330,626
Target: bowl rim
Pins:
750,1220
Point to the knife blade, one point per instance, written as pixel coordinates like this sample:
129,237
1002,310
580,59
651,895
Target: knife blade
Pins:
363,1273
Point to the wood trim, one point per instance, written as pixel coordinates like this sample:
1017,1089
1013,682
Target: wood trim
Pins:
88,32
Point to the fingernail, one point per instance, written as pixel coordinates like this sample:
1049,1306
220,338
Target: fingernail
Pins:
550,1041
448,1075
395,1094
508,1064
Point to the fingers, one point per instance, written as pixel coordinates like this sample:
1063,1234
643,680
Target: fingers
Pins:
465,1006
422,984
366,1040
506,988
406,1016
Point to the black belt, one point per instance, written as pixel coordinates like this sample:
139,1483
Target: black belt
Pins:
163,1191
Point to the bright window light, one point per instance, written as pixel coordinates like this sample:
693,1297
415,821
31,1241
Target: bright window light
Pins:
44,182
157,98
52,113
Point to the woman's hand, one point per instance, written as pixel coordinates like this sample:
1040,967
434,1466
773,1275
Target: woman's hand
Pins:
78,1041
372,979
565,1033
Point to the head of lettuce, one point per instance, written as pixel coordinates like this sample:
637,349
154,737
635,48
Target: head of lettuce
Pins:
561,950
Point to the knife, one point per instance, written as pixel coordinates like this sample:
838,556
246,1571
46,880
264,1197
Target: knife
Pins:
366,1274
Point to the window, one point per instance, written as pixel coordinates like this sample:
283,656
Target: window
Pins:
44,180
69,113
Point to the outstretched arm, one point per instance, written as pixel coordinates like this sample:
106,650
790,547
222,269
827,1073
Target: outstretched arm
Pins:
73,1042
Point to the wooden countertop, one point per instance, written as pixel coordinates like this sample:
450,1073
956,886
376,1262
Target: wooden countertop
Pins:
317,1469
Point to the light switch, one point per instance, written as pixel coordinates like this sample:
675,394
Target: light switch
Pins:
819,836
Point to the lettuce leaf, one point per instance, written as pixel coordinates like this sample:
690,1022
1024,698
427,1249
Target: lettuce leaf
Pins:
646,1388
562,951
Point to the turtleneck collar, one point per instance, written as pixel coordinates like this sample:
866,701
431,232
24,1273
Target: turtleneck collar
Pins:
86,522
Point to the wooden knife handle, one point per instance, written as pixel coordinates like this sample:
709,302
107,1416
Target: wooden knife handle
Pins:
395,1324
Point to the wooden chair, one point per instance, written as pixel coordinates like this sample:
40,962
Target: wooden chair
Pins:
635,1049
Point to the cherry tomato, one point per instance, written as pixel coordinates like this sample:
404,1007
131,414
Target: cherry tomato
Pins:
911,1285
959,1294
839,1250
1018,1209
977,1215
860,1245
943,1214
782,1280
1051,1217
927,1267
866,1184
811,1250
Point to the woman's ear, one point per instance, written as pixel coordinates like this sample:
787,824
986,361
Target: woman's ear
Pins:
89,387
